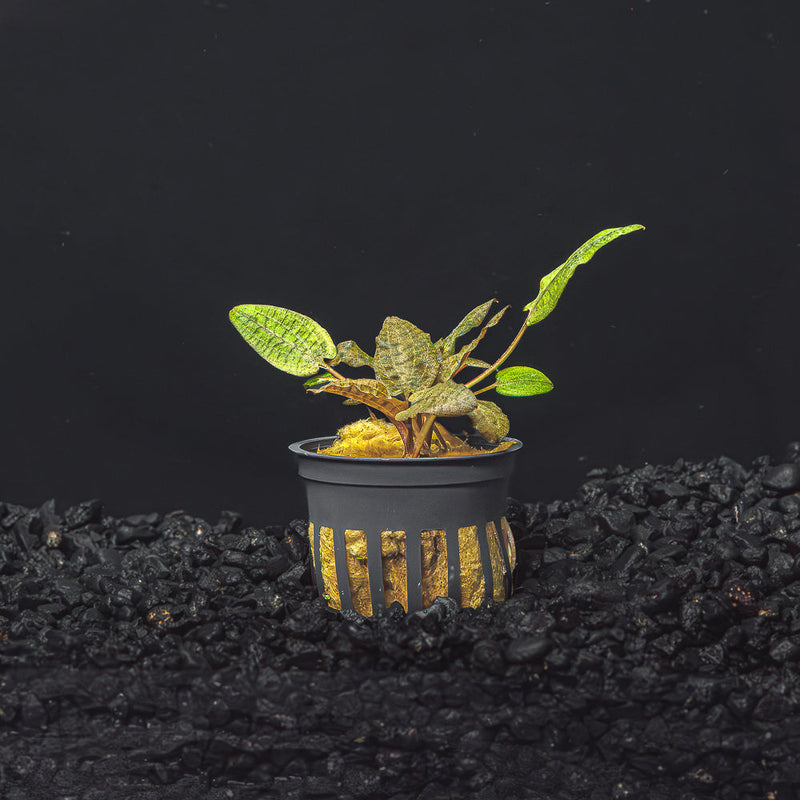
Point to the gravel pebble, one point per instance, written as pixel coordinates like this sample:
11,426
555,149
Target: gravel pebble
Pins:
649,650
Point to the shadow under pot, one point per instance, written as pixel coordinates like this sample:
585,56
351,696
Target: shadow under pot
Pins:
408,529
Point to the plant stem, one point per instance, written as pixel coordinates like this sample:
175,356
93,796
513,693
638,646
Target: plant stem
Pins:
423,433
486,388
503,357
429,439
447,439
333,371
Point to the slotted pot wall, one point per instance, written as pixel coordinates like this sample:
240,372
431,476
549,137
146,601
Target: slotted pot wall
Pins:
418,495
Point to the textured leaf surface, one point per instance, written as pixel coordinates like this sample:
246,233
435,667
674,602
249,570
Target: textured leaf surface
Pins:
448,367
450,364
552,285
476,362
290,341
405,358
351,354
468,348
363,390
448,399
490,421
522,382
472,320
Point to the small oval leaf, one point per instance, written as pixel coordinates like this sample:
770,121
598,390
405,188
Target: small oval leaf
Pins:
552,285
288,340
522,382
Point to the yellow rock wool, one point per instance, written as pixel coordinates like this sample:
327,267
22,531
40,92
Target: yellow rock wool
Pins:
375,438
367,438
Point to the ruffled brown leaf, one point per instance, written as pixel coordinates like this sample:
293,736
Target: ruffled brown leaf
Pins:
490,421
351,354
405,358
363,390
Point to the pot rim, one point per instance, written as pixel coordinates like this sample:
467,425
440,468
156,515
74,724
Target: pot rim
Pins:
299,449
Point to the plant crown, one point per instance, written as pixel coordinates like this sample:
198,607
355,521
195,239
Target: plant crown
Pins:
414,379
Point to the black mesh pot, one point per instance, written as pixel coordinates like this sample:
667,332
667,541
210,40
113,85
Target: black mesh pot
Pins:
407,529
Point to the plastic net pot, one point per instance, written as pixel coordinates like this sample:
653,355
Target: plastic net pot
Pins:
408,530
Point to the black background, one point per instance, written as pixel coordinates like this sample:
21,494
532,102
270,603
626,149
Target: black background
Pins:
162,162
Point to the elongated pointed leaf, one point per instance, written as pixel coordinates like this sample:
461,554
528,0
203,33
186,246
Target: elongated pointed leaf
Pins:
363,390
448,367
323,380
290,341
351,354
490,421
448,399
453,364
472,320
522,382
465,351
405,358
552,285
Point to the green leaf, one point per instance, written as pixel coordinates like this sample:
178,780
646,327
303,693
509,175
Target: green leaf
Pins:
405,358
290,341
490,421
318,379
522,382
472,320
552,285
448,399
351,354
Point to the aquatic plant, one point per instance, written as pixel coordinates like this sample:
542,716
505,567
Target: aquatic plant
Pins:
415,378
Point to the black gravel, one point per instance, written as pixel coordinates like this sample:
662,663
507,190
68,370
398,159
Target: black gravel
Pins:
651,650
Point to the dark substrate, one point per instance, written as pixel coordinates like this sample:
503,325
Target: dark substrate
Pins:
651,650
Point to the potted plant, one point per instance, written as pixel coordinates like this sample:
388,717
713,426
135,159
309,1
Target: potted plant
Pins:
400,508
